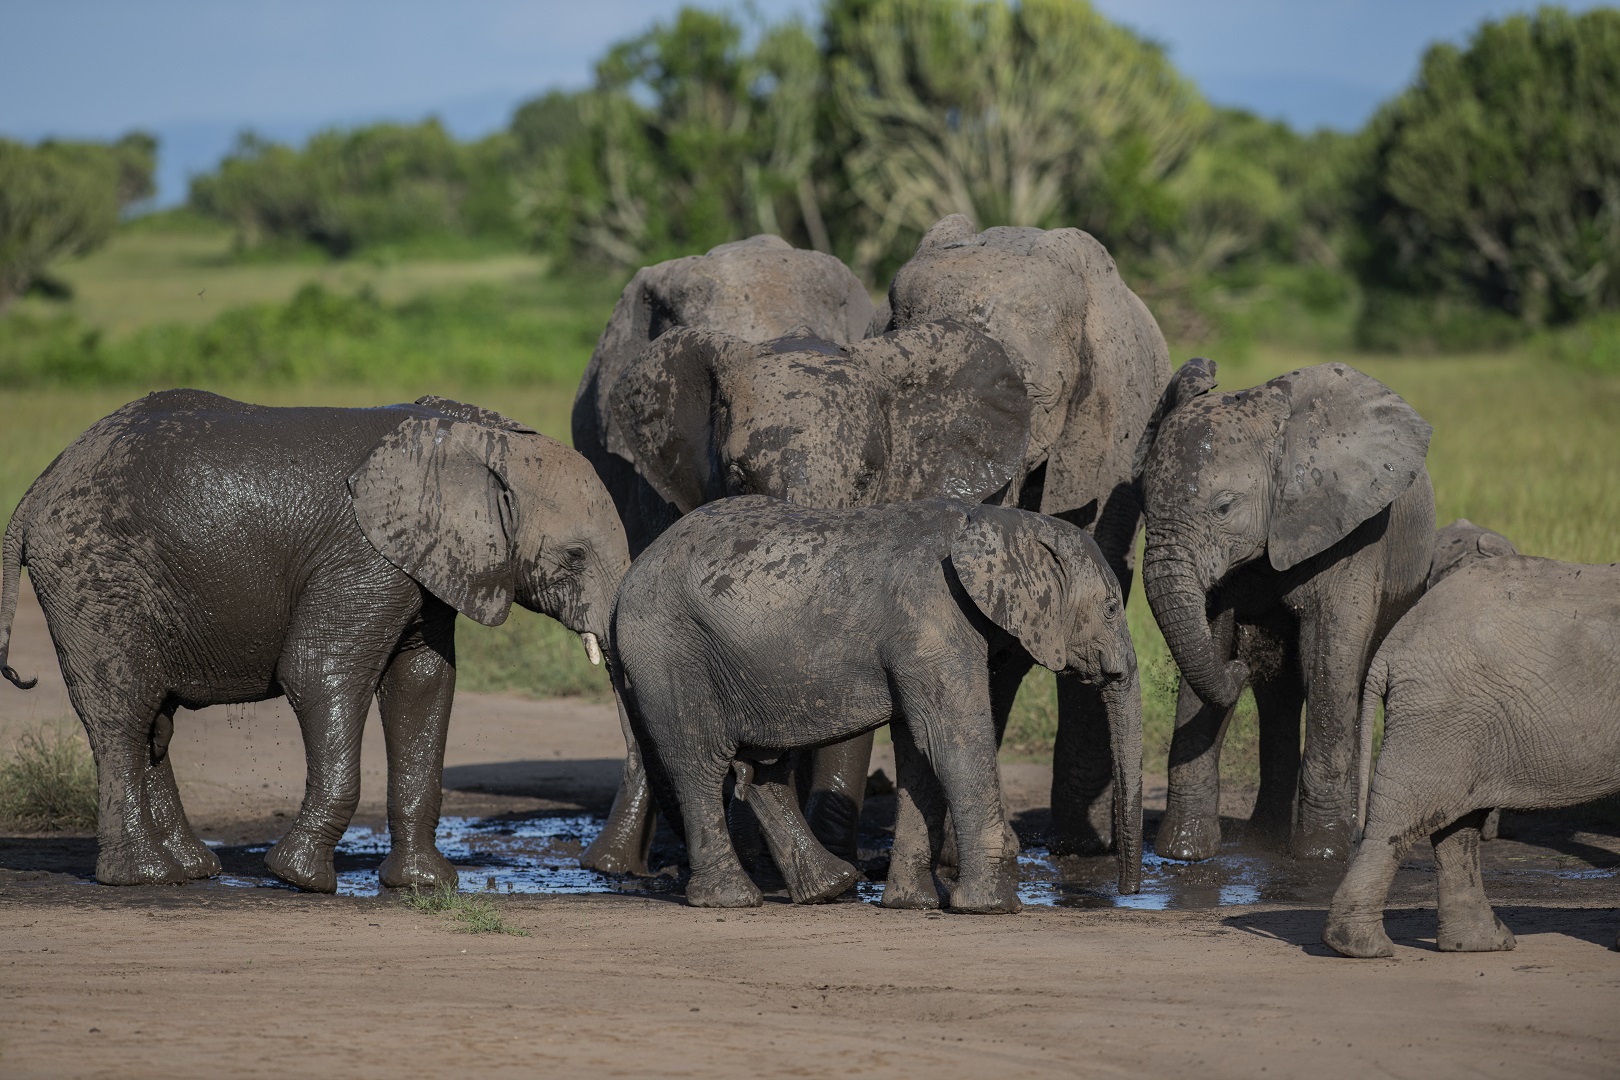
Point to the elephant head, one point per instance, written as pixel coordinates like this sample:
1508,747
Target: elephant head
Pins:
1283,471
757,289
482,511
1073,329
935,410
1461,544
1046,582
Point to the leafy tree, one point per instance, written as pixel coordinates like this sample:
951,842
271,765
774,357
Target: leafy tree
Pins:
1494,180
1043,113
347,190
64,198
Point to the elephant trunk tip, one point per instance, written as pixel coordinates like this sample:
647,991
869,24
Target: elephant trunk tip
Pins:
17,680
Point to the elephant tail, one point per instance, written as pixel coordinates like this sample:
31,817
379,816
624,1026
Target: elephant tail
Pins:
11,562
1372,693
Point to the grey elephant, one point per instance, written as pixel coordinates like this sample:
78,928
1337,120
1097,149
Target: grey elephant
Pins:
1095,365
755,626
755,289
1462,544
1288,527
1499,689
190,550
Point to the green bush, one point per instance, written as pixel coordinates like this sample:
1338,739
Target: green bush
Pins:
1593,344
530,655
539,332
49,784
1495,179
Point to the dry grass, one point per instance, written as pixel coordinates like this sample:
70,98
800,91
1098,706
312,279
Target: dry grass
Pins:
49,783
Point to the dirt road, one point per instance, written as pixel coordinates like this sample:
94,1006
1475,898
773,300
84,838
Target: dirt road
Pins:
208,979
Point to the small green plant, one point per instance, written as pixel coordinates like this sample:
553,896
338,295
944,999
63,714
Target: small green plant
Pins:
49,784
472,913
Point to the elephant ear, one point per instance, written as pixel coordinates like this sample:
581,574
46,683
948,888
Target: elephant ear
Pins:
1008,562
959,412
1195,377
1349,447
947,231
433,499
663,408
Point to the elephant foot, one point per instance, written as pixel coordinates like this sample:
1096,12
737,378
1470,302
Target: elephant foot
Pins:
614,855
1477,932
418,868
142,865
910,888
722,888
1360,937
997,896
1325,843
196,859
828,883
304,862
1188,838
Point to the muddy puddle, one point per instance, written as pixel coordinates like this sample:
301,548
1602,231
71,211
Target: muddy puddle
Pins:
541,855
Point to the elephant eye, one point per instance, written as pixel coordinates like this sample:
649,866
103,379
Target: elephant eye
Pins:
1223,508
1111,608
574,554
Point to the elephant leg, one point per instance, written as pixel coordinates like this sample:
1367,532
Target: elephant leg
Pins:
698,778
1334,650
331,712
837,791
813,874
956,737
626,839
414,698
163,802
919,828
1355,922
1082,772
1467,923
1191,827
1278,701
130,845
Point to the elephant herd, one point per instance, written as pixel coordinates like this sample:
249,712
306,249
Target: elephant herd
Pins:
790,518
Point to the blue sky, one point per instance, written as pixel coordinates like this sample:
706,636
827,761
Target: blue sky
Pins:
197,71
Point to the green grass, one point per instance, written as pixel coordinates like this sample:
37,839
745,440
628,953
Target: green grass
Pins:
49,783
469,913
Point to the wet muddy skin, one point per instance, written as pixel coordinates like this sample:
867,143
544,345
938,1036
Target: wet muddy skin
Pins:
1550,859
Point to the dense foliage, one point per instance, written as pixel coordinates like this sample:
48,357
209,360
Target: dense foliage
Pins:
1494,181
64,198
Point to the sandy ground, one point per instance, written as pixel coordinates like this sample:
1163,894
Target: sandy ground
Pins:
206,979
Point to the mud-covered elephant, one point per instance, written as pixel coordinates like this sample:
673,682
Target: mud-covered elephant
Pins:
755,626
1288,527
755,289
1095,366
1500,688
190,550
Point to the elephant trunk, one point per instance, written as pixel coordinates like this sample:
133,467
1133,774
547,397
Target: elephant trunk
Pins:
1122,698
1176,595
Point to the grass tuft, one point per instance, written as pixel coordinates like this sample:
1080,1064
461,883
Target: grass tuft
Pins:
470,912
49,784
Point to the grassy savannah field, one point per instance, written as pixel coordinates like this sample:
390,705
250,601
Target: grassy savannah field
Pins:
1522,444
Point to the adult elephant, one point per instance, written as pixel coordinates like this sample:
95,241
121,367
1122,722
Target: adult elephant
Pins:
1288,528
1095,366
755,289
190,550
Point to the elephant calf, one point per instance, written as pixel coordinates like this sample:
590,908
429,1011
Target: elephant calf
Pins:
755,626
1500,688
190,550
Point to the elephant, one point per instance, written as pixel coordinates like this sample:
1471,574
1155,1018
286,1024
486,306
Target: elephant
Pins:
1462,544
1288,527
1473,720
1458,545
1095,365
189,550
755,626
756,289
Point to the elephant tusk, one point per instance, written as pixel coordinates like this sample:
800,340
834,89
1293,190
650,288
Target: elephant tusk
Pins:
592,649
